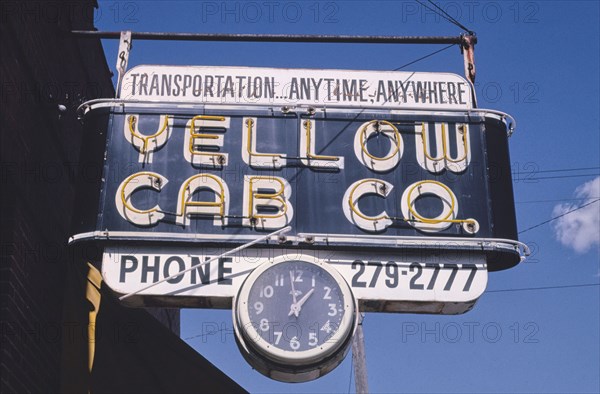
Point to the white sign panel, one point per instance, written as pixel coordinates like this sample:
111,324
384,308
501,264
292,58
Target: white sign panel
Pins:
291,87
381,282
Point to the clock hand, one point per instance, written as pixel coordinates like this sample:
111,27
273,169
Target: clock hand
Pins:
302,301
293,308
293,289
297,306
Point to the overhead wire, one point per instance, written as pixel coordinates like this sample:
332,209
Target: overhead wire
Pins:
554,218
559,216
445,15
220,330
396,69
543,288
451,18
559,177
387,99
523,176
556,200
569,169
424,57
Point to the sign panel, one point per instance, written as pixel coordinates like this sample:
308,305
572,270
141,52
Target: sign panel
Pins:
381,174
229,175
407,282
285,87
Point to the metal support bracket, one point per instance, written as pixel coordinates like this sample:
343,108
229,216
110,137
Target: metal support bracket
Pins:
122,58
467,48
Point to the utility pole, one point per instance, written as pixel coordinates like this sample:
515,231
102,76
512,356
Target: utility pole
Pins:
359,359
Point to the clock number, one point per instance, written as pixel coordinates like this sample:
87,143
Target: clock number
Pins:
413,281
266,291
279,280
361,270
278,335
391,271
332,310
312,339
327,295
294,344
298,277
264,325
258,307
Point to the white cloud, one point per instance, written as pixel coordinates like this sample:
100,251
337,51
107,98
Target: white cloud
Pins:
580,229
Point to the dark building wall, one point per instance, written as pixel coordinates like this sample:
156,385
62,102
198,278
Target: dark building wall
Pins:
41,67
169,317
45,74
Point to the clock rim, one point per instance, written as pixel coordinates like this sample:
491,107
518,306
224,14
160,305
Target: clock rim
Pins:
297,358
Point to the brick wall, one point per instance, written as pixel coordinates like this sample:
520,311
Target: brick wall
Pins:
41,67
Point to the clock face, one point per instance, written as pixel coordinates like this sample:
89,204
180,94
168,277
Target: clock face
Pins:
296,312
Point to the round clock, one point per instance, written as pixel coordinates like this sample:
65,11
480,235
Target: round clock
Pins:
294,318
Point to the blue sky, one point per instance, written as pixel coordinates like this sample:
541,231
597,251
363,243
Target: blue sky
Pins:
538,61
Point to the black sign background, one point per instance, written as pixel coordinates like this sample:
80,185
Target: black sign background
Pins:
483,191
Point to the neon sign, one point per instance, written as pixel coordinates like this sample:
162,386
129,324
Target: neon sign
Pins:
357,175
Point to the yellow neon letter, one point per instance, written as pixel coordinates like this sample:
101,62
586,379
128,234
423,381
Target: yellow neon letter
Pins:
355,192
196,134
441,141
258,199
307,149
147,144
140,180
218,208
387,129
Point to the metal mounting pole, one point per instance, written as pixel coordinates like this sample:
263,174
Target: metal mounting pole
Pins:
275,37
359,359
122,58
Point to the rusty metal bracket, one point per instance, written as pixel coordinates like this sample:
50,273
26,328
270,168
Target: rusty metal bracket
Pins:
122,58
467,48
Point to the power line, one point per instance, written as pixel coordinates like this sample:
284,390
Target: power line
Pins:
556,200
570,169
445,15
543,288
425,57
396,69
559,216
451,18
206,334
558,177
